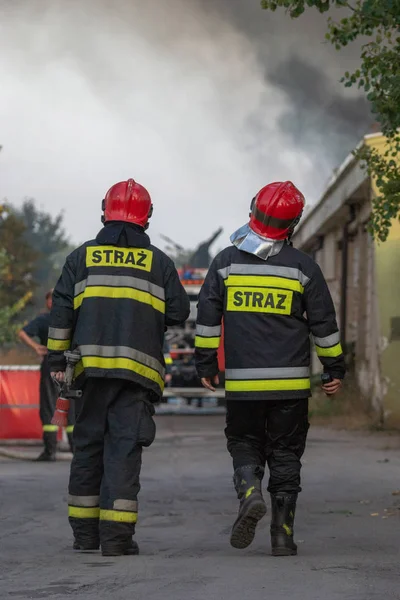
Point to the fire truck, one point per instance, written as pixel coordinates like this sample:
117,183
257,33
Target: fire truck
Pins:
185,382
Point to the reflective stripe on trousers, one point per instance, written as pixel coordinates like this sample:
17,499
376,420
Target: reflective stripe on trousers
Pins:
83,507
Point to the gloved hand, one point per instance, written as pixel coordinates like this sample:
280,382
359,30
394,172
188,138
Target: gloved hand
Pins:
58,376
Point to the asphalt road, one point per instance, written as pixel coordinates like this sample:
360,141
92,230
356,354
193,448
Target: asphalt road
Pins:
347,527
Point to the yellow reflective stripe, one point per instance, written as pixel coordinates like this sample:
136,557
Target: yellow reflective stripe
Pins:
101,362
264,281
332,352
287,529
261,385
50,427
53,344
69,429
168,360
78,369
78,300
100,291
123,352
249,491
210,342
118,516
80,512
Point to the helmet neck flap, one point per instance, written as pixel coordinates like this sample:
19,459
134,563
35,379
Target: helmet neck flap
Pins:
249,241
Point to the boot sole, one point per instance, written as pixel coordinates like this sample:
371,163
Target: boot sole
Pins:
244,529
129,552
93,548
284,552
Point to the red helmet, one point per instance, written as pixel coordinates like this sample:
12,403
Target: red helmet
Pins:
127,201
276,210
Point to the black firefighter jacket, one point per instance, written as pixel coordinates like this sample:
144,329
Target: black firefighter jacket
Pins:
115,296
269,308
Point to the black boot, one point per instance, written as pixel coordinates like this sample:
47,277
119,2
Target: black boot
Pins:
252,507
132,549
50,447
87,547
282,522
86,533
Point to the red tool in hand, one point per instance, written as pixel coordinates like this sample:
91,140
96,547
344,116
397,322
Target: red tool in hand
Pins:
60,416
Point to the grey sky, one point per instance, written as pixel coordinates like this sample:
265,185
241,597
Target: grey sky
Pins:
176,94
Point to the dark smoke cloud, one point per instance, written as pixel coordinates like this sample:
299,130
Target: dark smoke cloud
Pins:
200,100
319,116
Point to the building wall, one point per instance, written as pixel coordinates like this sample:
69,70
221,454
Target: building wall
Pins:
362,315
373,284
388,301
363,331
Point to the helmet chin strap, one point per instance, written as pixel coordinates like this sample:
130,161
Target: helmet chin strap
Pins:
292,227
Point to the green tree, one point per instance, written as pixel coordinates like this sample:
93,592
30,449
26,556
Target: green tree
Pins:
377,24
18,259
16,266
46,235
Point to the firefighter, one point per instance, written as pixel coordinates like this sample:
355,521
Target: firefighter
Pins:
262,288
48,392
114,299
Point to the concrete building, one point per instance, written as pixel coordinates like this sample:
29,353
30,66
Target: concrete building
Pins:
364,279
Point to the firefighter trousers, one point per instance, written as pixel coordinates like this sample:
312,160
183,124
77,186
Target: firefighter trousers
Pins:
48,394
114,423
269,432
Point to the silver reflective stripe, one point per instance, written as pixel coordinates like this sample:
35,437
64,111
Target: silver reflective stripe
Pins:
59,334
271,373
242,269
130,505
126,281
80,287
329,340
83,501
123,352
224,272
206,331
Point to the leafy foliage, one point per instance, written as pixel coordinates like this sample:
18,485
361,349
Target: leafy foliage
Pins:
377,23
8,326
46,236
33,247
15,276
17,259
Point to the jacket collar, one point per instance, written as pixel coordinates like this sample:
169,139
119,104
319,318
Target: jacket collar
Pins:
119,233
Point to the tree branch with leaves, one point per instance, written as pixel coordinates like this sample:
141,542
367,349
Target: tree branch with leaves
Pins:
16,285
377,24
